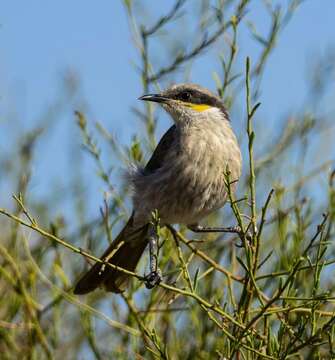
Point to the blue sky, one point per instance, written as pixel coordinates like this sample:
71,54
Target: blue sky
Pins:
39,40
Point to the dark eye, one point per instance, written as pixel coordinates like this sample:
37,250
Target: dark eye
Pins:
185,96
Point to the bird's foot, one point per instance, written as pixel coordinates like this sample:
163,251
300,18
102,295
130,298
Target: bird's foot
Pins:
153,279
248,238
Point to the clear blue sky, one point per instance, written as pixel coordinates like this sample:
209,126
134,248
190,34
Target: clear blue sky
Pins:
40,39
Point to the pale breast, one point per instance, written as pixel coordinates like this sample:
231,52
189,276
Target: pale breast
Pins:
191,183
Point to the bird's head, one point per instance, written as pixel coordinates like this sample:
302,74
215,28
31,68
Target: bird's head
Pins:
188,102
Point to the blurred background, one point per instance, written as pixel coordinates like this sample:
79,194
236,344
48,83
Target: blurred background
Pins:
98,58
61,57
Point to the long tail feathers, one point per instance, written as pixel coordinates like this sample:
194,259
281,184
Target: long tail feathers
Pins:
125,252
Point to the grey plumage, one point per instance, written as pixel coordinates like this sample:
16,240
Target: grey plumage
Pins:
184,179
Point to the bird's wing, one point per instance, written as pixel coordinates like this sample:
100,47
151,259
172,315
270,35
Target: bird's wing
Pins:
162,148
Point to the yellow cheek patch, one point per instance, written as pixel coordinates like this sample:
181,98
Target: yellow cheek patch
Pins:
198,107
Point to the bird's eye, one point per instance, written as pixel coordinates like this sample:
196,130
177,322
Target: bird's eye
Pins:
185,96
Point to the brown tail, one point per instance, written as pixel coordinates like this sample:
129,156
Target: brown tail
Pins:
125,251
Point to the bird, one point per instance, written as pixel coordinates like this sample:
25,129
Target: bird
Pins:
185,180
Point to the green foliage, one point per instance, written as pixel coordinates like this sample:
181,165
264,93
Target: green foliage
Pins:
266,293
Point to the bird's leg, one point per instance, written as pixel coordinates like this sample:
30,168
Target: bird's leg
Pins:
202,229
155,275
230,229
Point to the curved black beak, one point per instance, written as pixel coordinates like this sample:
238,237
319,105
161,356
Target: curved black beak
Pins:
154,97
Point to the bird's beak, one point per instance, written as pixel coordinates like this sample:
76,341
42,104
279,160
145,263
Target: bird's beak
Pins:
154,97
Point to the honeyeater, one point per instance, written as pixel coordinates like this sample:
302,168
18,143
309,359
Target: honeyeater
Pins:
184,181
